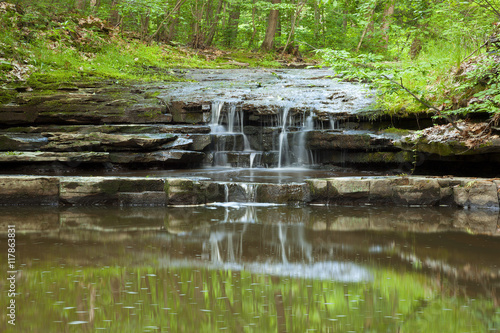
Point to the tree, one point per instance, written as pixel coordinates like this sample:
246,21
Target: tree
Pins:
272,23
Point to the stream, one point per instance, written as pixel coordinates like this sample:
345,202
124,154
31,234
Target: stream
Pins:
241,264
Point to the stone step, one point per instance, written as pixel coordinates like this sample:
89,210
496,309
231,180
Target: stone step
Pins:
73,159
144,191
95,141
113,129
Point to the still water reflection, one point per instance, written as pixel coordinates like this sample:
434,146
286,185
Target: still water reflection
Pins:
254,269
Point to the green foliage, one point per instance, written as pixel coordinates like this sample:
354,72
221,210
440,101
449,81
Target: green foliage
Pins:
201,300
480,86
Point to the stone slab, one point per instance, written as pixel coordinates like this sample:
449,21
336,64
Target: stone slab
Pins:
28,190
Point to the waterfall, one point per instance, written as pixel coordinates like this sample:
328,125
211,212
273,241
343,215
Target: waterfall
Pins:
299,154
250,191
304,155
333,122
231,146
227,125
283,139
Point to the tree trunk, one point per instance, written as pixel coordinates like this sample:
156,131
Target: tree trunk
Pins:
254,27
167,18
368,27
114,16
198,40
172,30
317,22
386,22
215,23
295,19
232,26
272,23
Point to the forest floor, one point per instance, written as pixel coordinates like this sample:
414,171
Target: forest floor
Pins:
38,55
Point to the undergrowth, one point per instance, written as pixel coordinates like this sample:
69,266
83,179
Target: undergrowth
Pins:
39,47
441,81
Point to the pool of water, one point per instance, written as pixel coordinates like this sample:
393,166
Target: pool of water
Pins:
253,268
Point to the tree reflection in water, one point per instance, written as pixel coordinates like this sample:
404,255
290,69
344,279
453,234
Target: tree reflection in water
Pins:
260,269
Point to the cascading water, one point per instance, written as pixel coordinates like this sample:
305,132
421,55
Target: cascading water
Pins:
283,156
231,146
304,155
227,126
298,154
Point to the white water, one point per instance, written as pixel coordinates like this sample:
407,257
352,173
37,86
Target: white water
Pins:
283,156
304,155
227,121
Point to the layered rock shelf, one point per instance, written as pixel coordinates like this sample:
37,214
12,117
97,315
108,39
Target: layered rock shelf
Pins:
413,191
271,118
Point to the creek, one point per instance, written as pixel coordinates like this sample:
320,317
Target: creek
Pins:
228,249
255,268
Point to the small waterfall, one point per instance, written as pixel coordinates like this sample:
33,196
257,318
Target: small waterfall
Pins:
283,156
227,125
298,155
333,122
252,158
250,191
304,155
226,193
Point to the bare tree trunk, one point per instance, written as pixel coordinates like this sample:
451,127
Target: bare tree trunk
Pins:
386,22
114,16
215,22
368,26
172,30
197,38
168,16
254,28
145,24
295,19
317,23
344,20
232,26
272,23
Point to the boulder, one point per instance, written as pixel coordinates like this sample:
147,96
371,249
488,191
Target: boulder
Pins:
477,194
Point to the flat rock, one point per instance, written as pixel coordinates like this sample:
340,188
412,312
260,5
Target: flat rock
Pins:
336,140
167,157
95,141
27,190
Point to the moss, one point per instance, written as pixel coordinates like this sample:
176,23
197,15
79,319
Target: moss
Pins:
150,114
6,143
109,187
438,148
166,188
17,130
7,95
393,130
152,94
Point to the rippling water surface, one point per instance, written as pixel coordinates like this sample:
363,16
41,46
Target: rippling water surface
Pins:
243,268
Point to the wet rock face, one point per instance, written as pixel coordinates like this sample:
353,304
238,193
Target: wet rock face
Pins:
172,125
336,140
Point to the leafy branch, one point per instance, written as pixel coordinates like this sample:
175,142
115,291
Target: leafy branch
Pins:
350,68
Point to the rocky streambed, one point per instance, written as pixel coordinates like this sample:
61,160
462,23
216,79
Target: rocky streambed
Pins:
229,119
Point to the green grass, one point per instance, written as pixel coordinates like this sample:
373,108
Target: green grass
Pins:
63,51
